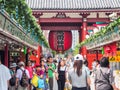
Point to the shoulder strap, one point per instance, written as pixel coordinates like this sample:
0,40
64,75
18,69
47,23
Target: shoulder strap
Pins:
22,70
104,76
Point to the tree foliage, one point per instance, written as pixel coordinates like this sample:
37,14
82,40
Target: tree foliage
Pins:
29,20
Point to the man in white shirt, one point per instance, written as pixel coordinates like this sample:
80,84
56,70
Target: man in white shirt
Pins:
4,76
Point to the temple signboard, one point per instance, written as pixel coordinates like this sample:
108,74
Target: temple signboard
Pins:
2,21
12,29
9,26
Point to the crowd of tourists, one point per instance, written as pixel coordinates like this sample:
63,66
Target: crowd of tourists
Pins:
57,74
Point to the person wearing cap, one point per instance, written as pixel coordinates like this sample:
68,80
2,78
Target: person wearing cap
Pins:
19,75
4,76
78,76
13,78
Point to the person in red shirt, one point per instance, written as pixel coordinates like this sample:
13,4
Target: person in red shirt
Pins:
30,70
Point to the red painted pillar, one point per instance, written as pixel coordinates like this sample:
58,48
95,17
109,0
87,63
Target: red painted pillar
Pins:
84,28
83,34
6,55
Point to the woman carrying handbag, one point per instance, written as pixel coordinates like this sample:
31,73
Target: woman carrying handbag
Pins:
103,76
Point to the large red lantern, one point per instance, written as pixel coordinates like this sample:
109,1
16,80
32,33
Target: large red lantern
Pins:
60,40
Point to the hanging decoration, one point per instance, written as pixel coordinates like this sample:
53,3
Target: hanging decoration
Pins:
11,16
25,50
16,14
59,40
28,31
23,21
103,51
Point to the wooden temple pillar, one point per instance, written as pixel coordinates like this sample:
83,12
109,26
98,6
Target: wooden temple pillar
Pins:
83,32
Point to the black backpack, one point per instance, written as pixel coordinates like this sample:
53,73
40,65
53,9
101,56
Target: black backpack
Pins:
12,81
24,79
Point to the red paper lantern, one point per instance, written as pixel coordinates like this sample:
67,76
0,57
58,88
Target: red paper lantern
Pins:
60,40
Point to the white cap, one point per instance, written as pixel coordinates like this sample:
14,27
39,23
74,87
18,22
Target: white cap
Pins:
78,57
21,63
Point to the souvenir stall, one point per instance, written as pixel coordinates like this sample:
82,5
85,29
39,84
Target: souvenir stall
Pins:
108,41
17,33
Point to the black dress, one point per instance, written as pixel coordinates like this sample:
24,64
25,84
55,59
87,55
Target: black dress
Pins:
61,80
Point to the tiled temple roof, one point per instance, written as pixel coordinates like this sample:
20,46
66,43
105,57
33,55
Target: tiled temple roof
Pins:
73,4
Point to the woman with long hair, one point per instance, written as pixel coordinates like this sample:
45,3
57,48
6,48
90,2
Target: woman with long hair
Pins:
61,74
79,76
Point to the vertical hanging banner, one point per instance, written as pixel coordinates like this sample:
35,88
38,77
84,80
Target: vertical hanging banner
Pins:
25,50
103,50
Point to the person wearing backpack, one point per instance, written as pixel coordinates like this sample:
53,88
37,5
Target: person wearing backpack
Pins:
22,76
12,81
